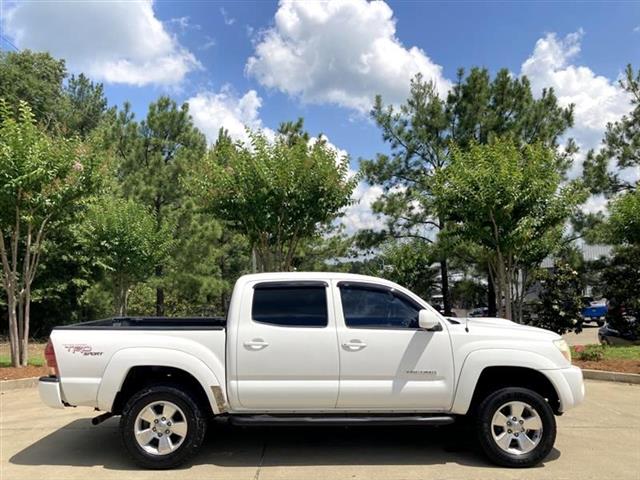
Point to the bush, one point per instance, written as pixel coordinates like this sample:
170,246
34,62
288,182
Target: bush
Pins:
589,353
560,306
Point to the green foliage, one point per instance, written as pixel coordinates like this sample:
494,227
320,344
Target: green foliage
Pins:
509,201
560,304
468,293
621,146
43,179
409,264
623,225
589,353
618,279
40,175
123,239
153,155
83,107
420,134
276,193
33,78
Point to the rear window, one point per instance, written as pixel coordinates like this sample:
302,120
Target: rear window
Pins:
290,306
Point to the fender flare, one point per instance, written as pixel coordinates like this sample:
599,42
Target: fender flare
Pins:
478,360
124,360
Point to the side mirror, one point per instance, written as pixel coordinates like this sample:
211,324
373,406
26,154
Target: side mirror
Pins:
428,320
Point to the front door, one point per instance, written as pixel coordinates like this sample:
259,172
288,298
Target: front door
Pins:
386,361
287,350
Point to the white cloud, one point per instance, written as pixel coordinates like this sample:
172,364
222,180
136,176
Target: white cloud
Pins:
116,42
360,216
212,111
228,20
224,109
597,99
339,52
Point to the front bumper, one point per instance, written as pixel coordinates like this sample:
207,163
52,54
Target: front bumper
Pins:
568,384
50,393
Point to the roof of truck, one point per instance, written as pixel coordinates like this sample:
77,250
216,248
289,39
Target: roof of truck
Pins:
312,276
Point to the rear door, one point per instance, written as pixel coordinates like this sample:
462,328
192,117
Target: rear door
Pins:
287,350
386,361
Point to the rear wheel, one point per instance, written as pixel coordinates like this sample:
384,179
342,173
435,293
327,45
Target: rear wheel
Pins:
516,427
162,427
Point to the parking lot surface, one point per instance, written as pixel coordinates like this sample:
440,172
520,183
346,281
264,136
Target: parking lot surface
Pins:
598,440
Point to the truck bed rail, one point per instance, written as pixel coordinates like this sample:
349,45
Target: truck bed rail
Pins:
150,323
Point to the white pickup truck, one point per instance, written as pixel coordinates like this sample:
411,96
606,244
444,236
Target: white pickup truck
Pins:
315,348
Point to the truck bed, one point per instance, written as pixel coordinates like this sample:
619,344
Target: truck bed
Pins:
150,323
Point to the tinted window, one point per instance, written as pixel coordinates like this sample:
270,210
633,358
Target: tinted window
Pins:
290,306
372,308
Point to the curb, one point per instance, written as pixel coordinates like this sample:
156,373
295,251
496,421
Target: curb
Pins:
611,376
6,385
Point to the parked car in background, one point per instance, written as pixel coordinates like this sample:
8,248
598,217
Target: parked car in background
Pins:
595,311
479,312
607,335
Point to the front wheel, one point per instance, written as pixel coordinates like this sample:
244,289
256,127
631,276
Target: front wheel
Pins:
162,427
516,427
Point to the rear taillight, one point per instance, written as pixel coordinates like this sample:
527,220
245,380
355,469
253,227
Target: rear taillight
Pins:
50,358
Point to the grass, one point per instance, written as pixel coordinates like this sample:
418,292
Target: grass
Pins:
625,353
5,361
631,352
36,354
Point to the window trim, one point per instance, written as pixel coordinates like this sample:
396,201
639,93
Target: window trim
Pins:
294,284
379,288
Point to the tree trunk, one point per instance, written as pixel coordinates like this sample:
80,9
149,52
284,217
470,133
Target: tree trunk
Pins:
504,287
20,319
159,294
13,331
26,317
491,295
444,273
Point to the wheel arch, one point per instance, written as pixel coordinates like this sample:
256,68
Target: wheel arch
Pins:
132,369
485,371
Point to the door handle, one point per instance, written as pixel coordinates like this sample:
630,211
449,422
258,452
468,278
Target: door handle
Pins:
354,345
256,344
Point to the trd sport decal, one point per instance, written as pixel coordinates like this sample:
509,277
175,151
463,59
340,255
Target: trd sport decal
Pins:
82,349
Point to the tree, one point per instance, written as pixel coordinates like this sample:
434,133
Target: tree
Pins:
42,179
621,145
153,156
83,106
122,237
623,225
560,307
34,78
509,201
618,278
277,193
420,134
409,263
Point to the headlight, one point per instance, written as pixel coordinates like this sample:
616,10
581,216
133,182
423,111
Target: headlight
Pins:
564,348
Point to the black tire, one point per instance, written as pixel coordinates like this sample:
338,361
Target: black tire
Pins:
194,416
488,408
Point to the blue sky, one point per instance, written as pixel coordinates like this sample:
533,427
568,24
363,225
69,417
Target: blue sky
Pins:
260,63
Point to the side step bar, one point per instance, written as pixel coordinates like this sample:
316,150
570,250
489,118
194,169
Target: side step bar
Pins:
331,420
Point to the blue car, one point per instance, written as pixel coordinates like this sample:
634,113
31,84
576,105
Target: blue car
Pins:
595,311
